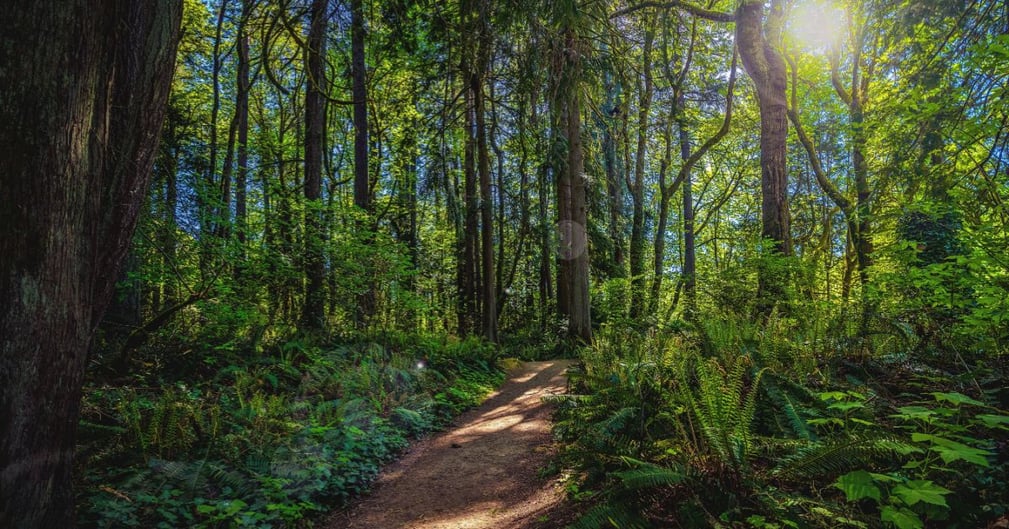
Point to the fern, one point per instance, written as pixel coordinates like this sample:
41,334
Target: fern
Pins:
610,515
724,409
786,406
835,456
650,477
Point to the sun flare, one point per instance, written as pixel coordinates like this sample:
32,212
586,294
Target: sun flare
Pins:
816,25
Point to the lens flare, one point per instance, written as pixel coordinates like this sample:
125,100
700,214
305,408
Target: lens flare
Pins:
816,25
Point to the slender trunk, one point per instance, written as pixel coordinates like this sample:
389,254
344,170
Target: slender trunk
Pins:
471,227
637,187
689,245
488,288
614,189
313,314
362,180
242,112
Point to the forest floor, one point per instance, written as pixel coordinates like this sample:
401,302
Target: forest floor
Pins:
484,472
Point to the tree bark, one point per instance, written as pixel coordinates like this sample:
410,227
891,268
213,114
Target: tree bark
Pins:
488,288
572,206
84,86
313,313
759,43
637,187
362,180
242,115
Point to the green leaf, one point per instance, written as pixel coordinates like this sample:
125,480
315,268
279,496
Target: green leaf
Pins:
835,395
857,485
956,398
846,406
914,412
951,450
902,517
918,490
994,421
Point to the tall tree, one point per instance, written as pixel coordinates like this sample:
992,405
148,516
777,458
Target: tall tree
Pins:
480,11
314,311
362,179
242,116
637,186
759,38
84,86
572,205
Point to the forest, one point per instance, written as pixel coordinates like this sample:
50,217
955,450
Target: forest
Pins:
251,250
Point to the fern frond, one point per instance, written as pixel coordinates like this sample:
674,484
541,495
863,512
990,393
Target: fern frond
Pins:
610,515
839,455
787,407
650,477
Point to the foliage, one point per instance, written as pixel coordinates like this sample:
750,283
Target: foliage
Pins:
274,441
722,422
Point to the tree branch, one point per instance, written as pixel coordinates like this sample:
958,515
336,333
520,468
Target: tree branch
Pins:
708,14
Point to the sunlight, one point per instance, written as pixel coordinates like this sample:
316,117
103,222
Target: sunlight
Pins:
815,25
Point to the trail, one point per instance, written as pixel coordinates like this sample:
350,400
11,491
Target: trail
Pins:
482,473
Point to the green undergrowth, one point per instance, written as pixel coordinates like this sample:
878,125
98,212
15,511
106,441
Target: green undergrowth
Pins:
269,441
733,424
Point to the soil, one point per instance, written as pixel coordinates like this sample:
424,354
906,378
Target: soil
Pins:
484,472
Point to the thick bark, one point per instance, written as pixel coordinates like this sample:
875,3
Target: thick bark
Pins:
488,287
572,206
759,46
759,43
313,313
84,86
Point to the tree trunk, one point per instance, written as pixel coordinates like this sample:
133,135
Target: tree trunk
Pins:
572,205
488,288
242,115
313,313
362,181
689,246
84,86
637,187
760,48
471,227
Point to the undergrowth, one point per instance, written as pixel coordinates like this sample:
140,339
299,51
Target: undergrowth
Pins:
728,423
269,441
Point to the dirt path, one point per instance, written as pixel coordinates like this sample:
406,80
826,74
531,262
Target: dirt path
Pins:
483,473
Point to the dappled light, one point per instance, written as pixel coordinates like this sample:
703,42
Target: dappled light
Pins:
481,474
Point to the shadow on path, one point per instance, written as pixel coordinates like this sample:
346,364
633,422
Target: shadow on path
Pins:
483,473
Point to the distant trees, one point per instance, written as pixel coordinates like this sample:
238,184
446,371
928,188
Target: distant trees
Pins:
84,87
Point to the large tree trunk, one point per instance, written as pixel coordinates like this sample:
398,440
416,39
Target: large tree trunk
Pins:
314,311
84,86
572,206
759,44
488,288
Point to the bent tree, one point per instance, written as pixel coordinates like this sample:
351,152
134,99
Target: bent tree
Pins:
83,88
